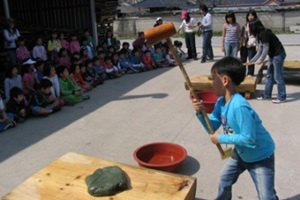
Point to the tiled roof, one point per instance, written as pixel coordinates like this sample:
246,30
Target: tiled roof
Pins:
191,3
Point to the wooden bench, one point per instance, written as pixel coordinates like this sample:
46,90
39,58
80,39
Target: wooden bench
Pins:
288,65
204,83
63,179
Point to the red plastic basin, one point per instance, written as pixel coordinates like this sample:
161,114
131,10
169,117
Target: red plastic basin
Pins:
161,156
209,99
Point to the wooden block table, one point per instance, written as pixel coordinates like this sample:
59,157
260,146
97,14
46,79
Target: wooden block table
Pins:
63,179
203,83
288,65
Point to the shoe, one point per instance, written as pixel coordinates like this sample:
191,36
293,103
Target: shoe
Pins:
195,58
278,101
210,59
203,61
86,97
10,124
261,98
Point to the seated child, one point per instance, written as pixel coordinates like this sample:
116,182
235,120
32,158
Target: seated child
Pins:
39,66
181,54
111,70
115,62
99,69
22,52
125,64
171,59
6,119
136,60
90,74
77,78
64,58
159,58
29,79
17,106
69,91
148,60
42,102
13,79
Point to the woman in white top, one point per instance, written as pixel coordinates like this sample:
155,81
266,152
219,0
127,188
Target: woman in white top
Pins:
11,35
189,24
248,48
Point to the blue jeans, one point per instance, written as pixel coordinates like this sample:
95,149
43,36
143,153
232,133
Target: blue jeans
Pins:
190,42
231,49
275,75
207,50
262,174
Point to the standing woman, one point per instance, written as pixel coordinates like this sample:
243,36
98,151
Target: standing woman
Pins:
11,35
230,35
269,44
189,24
207,32
249,41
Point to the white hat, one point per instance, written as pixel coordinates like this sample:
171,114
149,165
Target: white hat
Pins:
159,18
29,62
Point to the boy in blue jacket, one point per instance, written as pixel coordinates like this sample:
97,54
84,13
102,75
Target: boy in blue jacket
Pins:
253,144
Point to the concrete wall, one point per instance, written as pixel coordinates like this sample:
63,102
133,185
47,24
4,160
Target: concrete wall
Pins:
130,26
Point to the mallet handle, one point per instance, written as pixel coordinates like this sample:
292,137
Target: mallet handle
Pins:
189,83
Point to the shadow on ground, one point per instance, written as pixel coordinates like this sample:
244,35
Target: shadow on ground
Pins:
297,197
190,166
33,130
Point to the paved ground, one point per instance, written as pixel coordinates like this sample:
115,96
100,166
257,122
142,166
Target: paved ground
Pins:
149,107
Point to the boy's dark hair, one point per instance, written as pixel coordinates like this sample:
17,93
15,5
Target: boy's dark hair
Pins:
15,92
125,43
106,58
203,7
147,51
122,52
45,83
39,63
95,58
61,69
231,67
134,51
230,14
47,69
9,70
87,62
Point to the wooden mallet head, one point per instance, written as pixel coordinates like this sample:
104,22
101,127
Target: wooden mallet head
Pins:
159,33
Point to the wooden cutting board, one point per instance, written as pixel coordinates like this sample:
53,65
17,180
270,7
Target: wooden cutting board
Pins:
63,179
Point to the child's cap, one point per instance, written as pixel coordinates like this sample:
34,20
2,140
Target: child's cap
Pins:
158,19
184,14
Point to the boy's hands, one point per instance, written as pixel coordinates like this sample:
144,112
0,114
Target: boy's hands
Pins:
198,105
214,138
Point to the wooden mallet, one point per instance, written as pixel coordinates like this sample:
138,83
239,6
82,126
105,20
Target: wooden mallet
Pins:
165,31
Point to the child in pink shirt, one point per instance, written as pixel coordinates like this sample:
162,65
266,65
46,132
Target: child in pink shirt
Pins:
22,51
148,60
74,44
64,58
64,42
29,79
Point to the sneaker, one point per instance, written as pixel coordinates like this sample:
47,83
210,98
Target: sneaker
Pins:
86,97
203,61
261,98
277,101
11,124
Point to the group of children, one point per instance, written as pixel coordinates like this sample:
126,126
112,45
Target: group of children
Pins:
47,78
